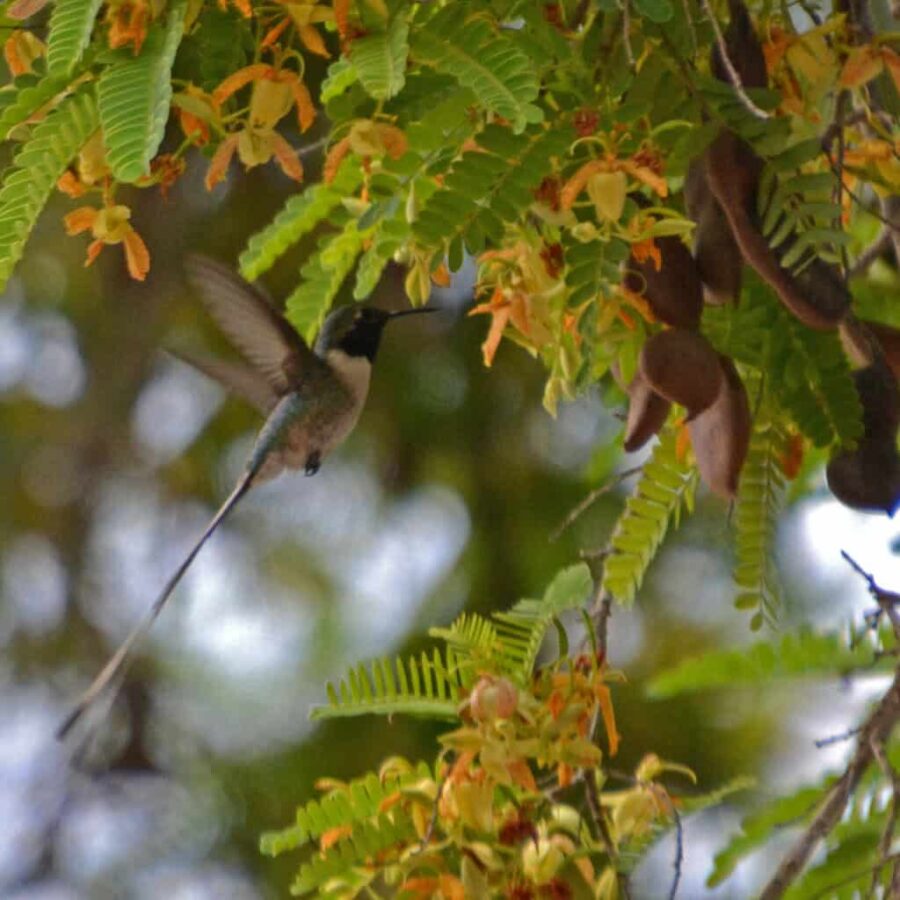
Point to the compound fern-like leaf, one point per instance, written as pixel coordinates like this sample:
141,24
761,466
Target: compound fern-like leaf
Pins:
367,840
361,799
134,95
28,100
801,655
71,24
489,187
760,497
40,162
322,278
428,686
299,216
480,57
666,486
380,60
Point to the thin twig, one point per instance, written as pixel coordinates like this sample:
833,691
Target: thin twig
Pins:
871,253
599,817
839,117
626,32
733,76
591,498
887,836
876,728
887,600
837,738
679,849
827,891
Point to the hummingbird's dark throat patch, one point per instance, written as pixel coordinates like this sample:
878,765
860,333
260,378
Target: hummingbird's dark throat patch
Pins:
362,340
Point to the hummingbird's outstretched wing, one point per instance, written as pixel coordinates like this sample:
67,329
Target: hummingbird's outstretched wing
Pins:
236,377
263,335
285,413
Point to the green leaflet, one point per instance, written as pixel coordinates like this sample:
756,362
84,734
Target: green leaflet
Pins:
592,268
361,799
760,498
134,96
321,279
40,162
811,378
29,100
481,58
484,190
666,486
428,686
801,655
71,24
367,840
299,216
380,60
757,828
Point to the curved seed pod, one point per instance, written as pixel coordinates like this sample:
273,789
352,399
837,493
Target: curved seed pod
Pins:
818,297
880,398
720,435
744,50
889,338
674,292
867,478
682,366
647,412
719,260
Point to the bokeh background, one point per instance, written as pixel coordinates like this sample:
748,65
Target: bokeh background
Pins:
112,458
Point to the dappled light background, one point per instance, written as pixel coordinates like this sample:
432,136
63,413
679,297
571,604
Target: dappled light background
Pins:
113,457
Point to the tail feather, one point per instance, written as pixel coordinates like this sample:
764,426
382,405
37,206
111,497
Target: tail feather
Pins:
121,659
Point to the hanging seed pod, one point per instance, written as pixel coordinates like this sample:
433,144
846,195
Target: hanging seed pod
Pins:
682,366
817,297
889,339
674,291
880,398
720,436
744,50
718,257
867,478
647,412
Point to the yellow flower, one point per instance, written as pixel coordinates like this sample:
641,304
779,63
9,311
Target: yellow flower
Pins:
111,225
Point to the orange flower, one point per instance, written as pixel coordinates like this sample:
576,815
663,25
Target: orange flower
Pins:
110,225
196,109
647,249
128,21
642,167
242,6
499,309
20,51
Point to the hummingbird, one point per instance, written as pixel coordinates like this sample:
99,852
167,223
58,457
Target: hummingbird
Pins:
311,397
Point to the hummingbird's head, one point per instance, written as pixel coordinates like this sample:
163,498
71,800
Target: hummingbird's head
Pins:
356,330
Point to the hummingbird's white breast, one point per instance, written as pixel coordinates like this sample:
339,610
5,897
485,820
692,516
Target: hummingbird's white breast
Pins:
330,419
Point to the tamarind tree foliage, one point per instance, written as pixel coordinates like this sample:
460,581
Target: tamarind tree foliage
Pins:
691,204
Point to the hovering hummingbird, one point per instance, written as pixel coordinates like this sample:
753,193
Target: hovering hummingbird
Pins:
312,399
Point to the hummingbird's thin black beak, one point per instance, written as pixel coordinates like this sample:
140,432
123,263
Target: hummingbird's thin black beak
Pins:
414,311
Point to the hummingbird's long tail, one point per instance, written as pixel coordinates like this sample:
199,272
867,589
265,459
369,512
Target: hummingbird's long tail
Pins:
122,657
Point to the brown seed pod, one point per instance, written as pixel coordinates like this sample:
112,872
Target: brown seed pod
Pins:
867,478
647,412
817,297
889,339
720,435
718,257
744,50
682,366
880,398
674,292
